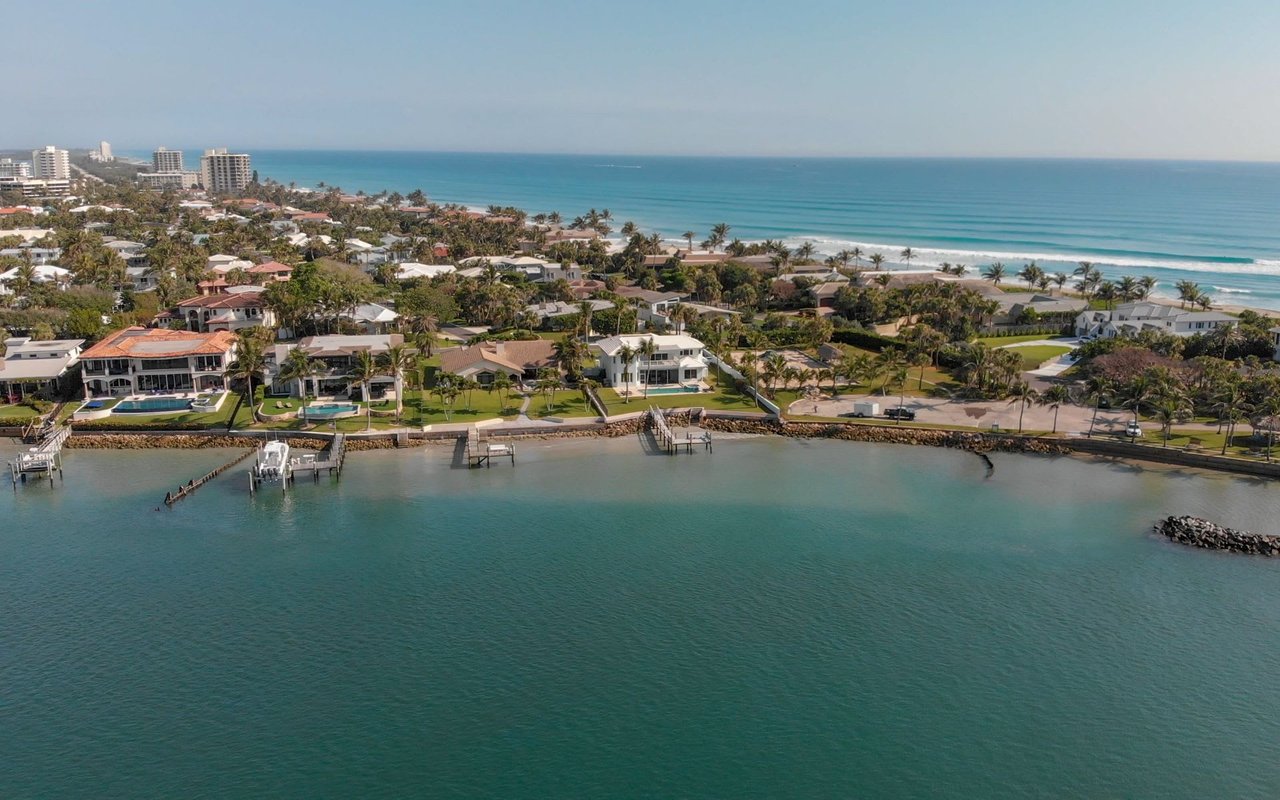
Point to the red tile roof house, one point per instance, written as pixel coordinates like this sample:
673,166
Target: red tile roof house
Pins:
270,271
154,359
225,311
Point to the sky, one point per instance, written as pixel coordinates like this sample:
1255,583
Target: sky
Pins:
1190,79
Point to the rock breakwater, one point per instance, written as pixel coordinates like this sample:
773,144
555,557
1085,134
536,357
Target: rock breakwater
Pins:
885,434
1197,532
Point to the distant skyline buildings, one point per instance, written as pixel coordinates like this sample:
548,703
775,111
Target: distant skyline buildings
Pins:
222,171
51,163
165,160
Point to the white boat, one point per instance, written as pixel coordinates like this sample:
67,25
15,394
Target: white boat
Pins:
273,461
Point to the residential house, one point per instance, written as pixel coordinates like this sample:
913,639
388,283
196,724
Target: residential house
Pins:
652,308
1129,319
520,360
337,354
372,318
412,269
270,272
232,308
36,367
548,311
156,359
679,360
38,255
44,273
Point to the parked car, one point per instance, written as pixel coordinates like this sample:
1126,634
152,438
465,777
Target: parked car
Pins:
1133,430
900,413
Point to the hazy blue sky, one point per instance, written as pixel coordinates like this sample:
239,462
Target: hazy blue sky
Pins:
1140,78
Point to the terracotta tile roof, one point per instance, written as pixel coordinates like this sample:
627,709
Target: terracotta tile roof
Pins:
238,300
160,343
270,266
516,355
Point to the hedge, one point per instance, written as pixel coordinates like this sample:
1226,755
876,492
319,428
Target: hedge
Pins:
867,340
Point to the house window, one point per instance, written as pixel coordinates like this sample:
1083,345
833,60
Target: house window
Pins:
208,363
690,374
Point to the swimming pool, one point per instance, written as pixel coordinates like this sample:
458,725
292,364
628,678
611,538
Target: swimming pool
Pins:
674,390
152,405
330,410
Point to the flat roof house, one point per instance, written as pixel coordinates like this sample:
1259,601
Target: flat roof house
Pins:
679,360
137,360
337,354
36,367
1129,319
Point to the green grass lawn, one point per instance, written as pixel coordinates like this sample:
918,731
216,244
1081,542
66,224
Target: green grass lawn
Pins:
565,403
1035,355
17,411
1210,442
1000,341
722,397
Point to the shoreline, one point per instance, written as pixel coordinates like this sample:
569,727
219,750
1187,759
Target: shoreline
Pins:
1091,450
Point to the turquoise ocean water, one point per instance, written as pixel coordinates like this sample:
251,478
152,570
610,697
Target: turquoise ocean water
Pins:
1214,223
779,619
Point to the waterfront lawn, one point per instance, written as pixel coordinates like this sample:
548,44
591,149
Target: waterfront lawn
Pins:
187,419
1035,355
1209,442
16,411
565,403
423,408
722,397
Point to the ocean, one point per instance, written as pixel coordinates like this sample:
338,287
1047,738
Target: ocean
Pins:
1217,224
780,619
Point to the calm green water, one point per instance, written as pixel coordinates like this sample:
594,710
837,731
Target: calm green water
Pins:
780,619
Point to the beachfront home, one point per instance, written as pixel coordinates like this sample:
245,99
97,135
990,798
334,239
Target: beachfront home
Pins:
229,309
652,308
519,360
547,312
36,367
679,360
336,355
156,359
1130,319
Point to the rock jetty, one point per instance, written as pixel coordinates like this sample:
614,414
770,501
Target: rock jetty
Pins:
1196,532
885,434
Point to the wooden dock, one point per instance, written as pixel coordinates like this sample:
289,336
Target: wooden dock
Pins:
667,439
43,460
481,452
328,460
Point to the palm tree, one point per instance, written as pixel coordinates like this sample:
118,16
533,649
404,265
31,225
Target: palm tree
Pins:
1022,393
249,364
719,234
876,260
502,383
907,254
585,312
773,366
994,273
688,237
627,355
1054,397
1059,278
646,350
1232,404
398,360
568,355
1168,409
1099,389
300,367
548,382
855,254
363,371
805,251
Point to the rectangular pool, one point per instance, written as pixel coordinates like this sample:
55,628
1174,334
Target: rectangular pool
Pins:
329,410
672,390
152,405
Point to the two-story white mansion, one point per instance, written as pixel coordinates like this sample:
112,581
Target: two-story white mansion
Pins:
137,360
679,360
1129,319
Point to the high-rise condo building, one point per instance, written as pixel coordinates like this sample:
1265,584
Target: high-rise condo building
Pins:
104,151
166,160
51,163
221,171
14,169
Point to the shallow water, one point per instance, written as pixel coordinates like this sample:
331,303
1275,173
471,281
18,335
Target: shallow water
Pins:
781,618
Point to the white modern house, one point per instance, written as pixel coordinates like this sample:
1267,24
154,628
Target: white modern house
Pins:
44,273
679,361
1130,319
156,360
336,355
35,367
412,269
